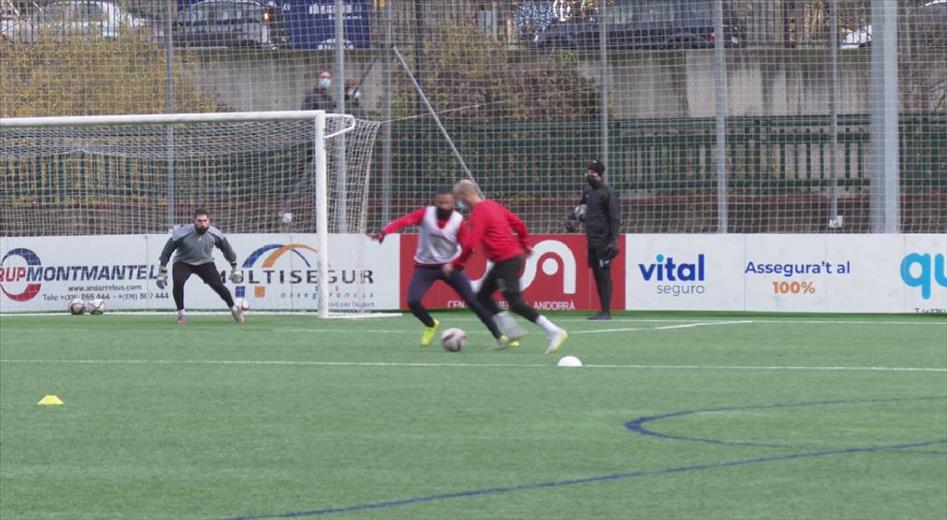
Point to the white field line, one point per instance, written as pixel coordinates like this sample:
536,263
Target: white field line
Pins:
455,365
703,324
604,331
788,320
350,331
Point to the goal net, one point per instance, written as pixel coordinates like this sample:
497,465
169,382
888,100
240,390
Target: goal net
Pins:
261,172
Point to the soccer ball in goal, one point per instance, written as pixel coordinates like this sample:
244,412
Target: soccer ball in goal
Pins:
77,307
96,306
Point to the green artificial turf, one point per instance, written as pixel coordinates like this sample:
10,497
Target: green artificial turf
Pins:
751,416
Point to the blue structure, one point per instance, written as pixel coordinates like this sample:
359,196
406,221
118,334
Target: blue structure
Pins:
311,23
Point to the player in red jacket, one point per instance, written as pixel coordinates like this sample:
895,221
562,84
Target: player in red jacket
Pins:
503,236
440,232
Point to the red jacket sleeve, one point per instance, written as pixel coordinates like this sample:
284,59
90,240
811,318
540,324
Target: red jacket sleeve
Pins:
411,219
469,240
519,227
466,248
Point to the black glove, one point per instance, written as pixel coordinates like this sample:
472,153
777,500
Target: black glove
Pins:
611,250
570,225
379,236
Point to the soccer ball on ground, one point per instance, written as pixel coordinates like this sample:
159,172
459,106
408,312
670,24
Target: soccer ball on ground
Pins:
77,307
453,340
243,304
96,306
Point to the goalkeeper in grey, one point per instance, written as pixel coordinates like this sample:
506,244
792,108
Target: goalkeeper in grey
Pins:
195,245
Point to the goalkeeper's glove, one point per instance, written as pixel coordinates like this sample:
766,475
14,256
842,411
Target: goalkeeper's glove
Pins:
236,275
162,280
570,224
579,213
379,236
611,250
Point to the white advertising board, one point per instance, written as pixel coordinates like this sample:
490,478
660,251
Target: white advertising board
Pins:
44,273
791,273
684,272
923,271
821,273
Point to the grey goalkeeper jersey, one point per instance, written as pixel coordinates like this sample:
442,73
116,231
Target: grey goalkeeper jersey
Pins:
195,248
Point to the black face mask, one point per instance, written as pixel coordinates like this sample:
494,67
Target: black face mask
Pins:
444,214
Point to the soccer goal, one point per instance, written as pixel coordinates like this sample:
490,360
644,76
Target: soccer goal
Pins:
256,172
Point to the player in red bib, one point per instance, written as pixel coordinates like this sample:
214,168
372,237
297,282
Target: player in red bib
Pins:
440,232
504,239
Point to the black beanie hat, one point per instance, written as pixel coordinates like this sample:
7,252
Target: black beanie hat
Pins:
596,166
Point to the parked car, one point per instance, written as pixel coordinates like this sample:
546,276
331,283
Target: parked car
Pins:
230,23
91,19
933,22
643,24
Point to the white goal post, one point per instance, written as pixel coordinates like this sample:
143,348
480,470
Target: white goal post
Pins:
146,144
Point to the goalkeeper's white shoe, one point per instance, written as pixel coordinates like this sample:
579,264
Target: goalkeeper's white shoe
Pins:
237,314
556,340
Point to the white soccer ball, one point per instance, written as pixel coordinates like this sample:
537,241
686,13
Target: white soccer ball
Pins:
570,362
243,304
453,340
96,306
77,306
579,212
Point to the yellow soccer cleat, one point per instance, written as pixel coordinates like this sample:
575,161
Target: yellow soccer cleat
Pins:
504,342
429,333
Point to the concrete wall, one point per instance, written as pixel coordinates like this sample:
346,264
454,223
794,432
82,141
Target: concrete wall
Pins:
762,82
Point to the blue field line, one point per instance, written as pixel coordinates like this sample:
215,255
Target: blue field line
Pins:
637,425
587,480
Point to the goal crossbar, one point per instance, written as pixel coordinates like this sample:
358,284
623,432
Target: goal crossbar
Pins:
159,119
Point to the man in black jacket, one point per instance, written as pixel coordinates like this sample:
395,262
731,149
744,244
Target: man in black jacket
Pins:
319,97
600,210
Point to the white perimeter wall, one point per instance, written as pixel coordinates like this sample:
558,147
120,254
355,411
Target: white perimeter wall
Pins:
811,273
792,273
281,272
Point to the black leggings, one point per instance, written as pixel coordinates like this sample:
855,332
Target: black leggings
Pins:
422,280
602,271
505,277
207,272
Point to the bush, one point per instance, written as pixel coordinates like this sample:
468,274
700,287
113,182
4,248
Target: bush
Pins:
465,67
73,75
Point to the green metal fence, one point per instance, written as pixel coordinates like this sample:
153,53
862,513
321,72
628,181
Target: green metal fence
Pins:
771,160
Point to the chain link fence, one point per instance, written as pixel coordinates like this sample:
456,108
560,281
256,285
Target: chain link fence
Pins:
740,116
